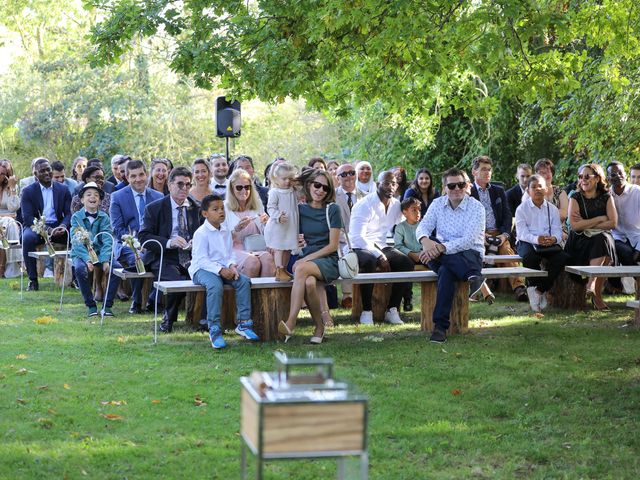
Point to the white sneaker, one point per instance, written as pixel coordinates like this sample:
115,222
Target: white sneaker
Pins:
366,317
544,301
48,273
534,298
392,316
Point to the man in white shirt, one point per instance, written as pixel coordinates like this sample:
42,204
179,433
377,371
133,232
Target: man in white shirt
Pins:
372,218
219,169
346,198
626,198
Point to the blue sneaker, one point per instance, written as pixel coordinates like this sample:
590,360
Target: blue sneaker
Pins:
93,311
215,336
245,329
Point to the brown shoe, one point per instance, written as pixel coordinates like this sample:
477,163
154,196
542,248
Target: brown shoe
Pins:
282,275
347,302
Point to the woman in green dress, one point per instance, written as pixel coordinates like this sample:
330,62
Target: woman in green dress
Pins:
317,265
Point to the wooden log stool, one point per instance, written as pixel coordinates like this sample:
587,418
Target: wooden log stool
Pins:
567,293
459,317
379,301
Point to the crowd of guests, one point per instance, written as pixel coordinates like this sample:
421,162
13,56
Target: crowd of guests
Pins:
215,223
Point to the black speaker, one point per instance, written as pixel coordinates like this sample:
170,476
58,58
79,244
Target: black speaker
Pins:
227,118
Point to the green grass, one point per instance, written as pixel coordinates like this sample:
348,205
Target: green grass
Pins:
555,397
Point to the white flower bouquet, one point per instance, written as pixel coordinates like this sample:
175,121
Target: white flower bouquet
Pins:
3,238
133,243
83,237
40,227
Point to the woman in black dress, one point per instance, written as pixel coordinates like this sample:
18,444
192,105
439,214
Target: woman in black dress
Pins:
592,215
423,189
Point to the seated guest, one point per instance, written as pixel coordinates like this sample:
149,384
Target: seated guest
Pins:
159,173
364,178
317,162
539,235
172,221
213,266
122,167
371,219
94,222
406,242
346,198
592,215
245,162
116,172
78,166
498,217
555,195
245,217
456,251
219,172
9,205
25,182
514,194
403,183
58,175
317,265
634,174
95,174
50,200
127,216
626,198
332,168
422,188
201,177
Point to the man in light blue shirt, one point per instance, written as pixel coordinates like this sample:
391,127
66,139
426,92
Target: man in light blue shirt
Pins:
457,250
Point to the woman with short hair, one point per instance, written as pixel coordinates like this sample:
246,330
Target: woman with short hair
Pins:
159,174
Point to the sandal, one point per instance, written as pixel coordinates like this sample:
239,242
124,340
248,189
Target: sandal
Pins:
327,321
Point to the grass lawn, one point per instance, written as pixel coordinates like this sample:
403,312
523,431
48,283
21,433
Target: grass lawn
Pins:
518,397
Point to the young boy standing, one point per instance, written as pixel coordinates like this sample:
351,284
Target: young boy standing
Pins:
93,221
213,265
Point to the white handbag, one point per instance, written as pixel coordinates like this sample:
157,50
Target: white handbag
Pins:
347,262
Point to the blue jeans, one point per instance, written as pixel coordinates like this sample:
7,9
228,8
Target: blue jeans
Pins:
215,285
82,279
453,268
127,256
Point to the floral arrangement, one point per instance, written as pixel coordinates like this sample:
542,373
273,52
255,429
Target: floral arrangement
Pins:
133,243
83,237
40,227
3,238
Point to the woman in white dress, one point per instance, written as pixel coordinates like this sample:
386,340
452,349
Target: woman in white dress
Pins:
9,204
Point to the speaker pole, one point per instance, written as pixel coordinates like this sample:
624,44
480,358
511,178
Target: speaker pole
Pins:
227,138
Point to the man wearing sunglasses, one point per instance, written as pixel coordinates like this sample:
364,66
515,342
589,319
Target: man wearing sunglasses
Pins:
456,251
499,218
346,198
172,221
372,218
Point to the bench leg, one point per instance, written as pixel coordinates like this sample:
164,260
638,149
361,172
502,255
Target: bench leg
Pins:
268,307
636,315
459,308
193,306
379,301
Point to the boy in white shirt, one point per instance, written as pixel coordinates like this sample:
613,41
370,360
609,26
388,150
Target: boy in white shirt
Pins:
213,265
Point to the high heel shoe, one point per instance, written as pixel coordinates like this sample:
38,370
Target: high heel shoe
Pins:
284,330
316,340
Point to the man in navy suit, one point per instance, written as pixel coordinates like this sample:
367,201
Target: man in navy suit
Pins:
127,216
172,221
498,216
48,199
514,194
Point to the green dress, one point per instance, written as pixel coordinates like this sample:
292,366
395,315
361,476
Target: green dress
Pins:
313,224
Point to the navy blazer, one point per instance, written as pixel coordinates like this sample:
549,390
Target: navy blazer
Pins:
499,205
124,210
32,204
158,224
514,198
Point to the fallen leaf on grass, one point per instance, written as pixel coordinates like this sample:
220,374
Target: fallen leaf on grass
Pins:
111,416
121,339
66,386
45,320
14,285
199,402
2,376
21,401
456,391
22,356
45,423
373,338
52,411
538,315
155,402
116,403
22,371
43,387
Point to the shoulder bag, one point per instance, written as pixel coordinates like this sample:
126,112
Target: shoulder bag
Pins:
551,249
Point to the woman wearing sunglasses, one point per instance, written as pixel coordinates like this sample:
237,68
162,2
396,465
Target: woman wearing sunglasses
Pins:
246,217
592,215
317,265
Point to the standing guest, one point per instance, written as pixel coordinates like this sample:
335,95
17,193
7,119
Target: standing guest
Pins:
57,168
94,174
403,184
172,221
51,201
281,231
634,174
592,216
498,219
372,218
346,198
422,188
245,217
201,176
78,166
267,170
317,162
456,251
160,169
514,194
214,266
127,216
245,162
364,182
332,168
9,205
318,263
219,171
626,198
539,234
95,222
405,240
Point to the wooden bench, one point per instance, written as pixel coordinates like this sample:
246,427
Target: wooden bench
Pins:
58,264
147,278
493,259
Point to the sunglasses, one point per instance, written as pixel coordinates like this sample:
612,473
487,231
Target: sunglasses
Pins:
586,176
351,173
325,188
460,185
239,188
183,185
